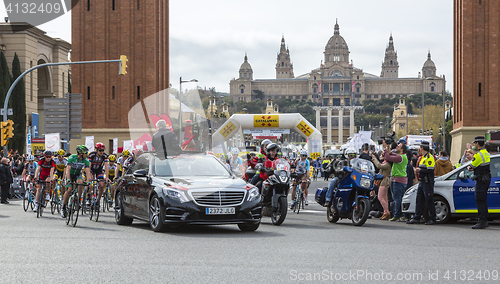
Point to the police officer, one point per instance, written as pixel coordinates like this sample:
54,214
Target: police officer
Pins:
481,166
425,191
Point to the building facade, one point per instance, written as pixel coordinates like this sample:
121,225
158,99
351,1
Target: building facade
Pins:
336,82
34,47
475,70
104,30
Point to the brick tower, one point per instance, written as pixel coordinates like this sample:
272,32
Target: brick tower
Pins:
476,82
104,30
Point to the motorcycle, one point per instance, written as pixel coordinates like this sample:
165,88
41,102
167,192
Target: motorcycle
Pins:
351,199
276,184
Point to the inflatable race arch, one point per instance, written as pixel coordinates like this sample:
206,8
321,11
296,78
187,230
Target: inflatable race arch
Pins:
295,121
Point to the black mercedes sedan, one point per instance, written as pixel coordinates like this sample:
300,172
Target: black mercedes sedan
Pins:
185,189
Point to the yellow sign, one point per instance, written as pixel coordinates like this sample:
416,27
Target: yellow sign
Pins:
267,120
315,155
227,129
306,129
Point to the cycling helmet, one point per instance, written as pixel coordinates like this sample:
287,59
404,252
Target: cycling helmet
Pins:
303,152
235,151
126,152
112,158
47,154
82,149
30,158
265,142
272,146
60,152
350,153
100,146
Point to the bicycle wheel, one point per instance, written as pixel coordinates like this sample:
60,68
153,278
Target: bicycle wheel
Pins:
299,200
70,208
26,198
53,201
96,205
74,215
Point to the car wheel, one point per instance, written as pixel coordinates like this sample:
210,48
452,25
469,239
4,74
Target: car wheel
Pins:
443,212
120,217
156,215
249,227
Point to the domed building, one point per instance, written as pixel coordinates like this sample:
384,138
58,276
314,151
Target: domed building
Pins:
336,84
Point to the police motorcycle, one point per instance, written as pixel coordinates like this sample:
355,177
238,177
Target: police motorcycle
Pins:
351,197
275,190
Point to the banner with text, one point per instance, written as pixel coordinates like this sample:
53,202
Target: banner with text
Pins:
53,142
89,142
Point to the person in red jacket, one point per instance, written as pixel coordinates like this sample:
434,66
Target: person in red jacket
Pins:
272,150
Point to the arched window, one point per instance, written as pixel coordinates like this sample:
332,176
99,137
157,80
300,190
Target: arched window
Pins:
336,73
402,113
326,89
391,62
347,88
282,64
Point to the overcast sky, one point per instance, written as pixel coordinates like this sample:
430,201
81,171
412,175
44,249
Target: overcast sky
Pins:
208,39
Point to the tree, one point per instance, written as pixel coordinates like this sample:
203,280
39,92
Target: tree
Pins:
259,95
4,77
19,108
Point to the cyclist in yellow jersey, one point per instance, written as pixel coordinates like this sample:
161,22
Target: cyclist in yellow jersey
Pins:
121,162
112,168
61,163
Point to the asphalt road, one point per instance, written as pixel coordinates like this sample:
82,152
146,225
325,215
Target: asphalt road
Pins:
306,248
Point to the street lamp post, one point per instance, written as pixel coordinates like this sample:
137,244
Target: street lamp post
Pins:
444,114
180,105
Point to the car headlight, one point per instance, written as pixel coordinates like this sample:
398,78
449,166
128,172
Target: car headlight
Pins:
283,176
253,193
411,190
175,194
365,182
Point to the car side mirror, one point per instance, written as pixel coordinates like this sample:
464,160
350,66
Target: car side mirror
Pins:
140,173
461,175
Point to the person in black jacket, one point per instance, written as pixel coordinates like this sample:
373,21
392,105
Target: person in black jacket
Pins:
5,179
366,152
165,141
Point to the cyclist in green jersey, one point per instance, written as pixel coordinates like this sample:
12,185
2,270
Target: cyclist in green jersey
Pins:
76,163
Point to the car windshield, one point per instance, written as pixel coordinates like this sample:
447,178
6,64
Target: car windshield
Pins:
190,165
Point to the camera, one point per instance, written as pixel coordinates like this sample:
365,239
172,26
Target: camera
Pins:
388,140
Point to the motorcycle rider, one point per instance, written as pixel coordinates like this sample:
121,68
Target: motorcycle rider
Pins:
267,170
260,159
349,154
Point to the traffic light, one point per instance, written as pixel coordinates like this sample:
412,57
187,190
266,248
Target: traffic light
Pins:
10,129
123,64
5,133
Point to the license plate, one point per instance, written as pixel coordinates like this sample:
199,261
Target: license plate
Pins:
220,211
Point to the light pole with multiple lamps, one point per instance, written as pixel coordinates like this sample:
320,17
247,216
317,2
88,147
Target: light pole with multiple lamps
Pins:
180,105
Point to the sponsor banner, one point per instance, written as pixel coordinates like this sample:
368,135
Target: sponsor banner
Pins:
35,123
304,127
315,155
53,142
28,143
115,145
89,142
128,145
266,137
230,127
270,120
266,131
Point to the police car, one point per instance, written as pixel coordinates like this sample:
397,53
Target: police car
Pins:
454,194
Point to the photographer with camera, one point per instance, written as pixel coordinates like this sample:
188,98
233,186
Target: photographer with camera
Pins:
398,172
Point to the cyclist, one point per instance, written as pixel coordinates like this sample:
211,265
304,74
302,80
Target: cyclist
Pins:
61,163
29,169
73,174
121,161
98,161
44,172
236,162
302,170
112,166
